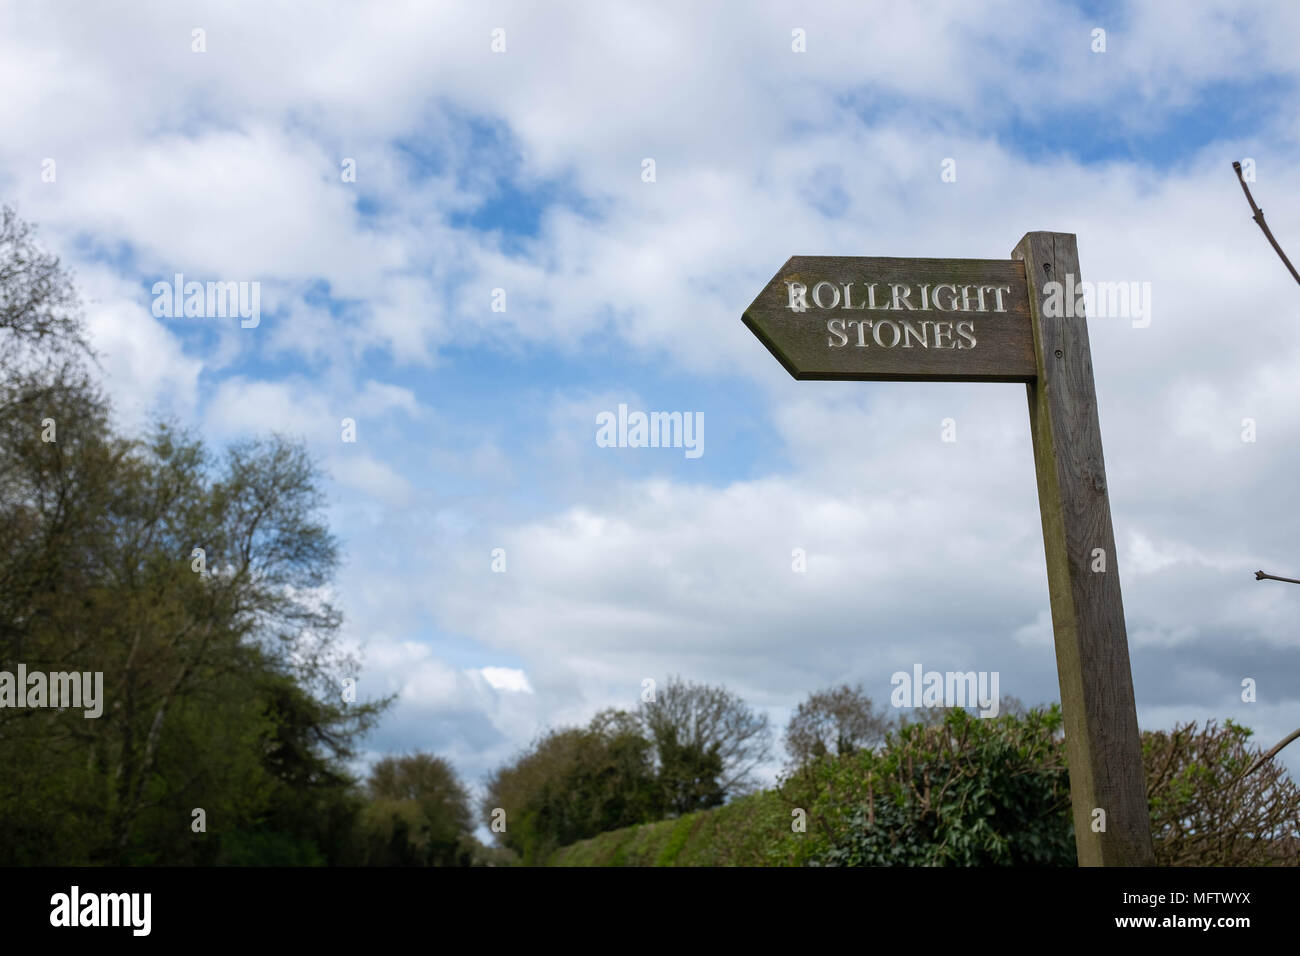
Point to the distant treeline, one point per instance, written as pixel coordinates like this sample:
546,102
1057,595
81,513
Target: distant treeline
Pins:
925,787
967,791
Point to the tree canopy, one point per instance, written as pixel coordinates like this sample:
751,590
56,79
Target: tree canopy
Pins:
196,582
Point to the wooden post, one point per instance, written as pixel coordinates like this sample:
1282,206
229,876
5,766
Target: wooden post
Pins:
1001,323
1101,732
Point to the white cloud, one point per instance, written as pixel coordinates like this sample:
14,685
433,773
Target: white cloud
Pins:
145,368
506,678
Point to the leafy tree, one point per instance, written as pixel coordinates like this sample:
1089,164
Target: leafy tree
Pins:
688,774
685,752
574,783
309,799
419,813
694,725
220,671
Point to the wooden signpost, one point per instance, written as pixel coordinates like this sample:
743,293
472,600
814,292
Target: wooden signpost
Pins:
978,320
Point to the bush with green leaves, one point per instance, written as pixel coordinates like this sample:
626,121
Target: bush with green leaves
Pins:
968,791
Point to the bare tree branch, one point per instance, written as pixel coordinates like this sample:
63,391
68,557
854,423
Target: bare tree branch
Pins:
1259,218
1262,575
1265,758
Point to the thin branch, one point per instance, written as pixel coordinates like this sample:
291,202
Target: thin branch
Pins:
1265,758
1259,218
1262,575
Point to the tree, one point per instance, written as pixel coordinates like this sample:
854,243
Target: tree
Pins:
197,584
685,752
252,602
573,783
1207,811
419,812
112,583
688,774
42,334
837,721
696,724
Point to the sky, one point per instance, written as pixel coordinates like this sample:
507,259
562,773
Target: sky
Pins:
389,173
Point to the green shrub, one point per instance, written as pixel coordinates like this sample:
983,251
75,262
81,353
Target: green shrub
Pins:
968,791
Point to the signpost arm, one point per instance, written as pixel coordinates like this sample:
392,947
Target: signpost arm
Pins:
1101,731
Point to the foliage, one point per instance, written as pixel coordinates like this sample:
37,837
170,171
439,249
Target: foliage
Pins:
574,783
753,830
966,792
687,750
1204,813
418,815
688,773
220,678
969,792
694,726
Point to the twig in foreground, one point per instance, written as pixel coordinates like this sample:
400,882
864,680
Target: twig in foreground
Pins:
1262,575
1259,218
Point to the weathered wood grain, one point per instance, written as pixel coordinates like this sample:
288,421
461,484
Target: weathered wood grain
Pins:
1092,659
